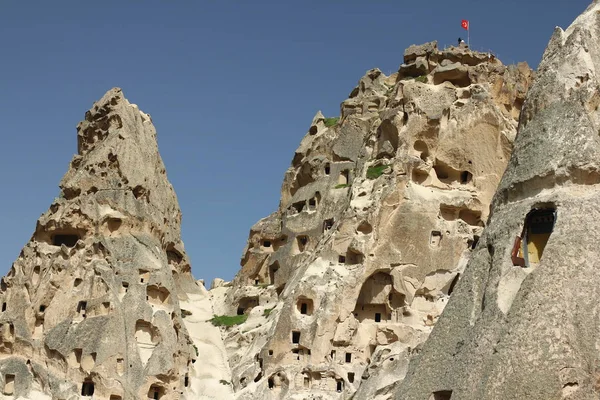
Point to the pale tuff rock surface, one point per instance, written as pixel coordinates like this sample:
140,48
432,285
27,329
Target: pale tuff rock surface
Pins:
531,332
210,375
92,304
379,213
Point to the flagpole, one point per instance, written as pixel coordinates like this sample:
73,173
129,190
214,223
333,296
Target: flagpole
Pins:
469,36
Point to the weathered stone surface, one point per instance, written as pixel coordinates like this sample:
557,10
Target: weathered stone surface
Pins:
423,50
456,73
379,213
515,327
419,67
92,304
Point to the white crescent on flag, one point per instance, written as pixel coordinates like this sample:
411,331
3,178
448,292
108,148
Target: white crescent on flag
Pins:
465,24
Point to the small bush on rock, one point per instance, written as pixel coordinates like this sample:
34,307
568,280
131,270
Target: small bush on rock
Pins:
376,172
267,311
228,320
329,122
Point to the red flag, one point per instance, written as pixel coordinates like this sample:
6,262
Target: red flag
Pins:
465,24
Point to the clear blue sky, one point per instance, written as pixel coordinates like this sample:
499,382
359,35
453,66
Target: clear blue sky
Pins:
232,87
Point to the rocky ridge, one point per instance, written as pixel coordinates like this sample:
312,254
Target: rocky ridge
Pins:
379,213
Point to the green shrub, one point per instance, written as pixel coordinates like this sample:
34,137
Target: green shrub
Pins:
185,313
341,185
376,172
267,311
228,320
329,122
197,352
224,382
422,79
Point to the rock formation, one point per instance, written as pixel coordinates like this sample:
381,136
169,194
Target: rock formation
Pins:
92,304
523,322
380,211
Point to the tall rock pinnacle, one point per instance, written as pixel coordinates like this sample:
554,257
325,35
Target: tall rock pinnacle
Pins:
380,211
91,306
523,322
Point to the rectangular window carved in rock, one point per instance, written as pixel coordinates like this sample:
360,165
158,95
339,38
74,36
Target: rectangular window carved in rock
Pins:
298,207
344,177
81,307
300,245
435,239
305,305
273,268
353,257
87,388
295,337
9,384
303,308
156,392
144,276
529,247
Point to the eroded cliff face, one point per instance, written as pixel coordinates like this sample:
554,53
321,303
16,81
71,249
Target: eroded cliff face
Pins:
91,306
523,322
380,211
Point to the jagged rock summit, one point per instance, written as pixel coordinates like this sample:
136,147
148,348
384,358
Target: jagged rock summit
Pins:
91,306
523,321
380,210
